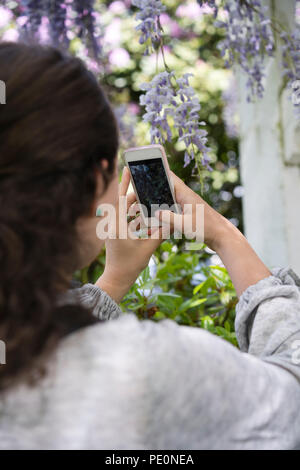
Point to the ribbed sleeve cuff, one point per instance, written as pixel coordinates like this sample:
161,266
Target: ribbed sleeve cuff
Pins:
94,298
255,294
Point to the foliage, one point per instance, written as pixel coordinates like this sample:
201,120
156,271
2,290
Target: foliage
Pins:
180,286
189,47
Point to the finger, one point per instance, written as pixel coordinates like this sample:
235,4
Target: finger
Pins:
124,184
131,198
133,210
169,218
179,185
156,233
134,225
156,236
162,232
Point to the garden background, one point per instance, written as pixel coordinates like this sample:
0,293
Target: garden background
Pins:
236,106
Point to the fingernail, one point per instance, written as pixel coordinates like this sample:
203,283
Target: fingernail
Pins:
99,212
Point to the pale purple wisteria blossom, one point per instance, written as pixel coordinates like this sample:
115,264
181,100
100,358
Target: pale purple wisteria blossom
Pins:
249,40
149,26
34,25
209,6
169,99
85,21
33,11
56,14
63,17
291,63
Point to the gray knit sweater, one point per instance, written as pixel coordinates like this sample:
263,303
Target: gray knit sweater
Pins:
130,384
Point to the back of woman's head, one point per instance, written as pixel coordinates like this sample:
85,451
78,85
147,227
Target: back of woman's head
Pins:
55,129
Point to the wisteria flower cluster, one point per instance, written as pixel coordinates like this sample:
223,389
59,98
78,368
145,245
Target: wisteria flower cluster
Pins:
86,23
211,3
81,18
291,63
56,14
149,26
250,38
33,10
167,99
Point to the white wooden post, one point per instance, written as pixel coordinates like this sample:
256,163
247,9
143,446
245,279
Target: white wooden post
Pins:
270,163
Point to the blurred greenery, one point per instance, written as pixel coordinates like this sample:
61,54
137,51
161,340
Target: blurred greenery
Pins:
186,287
191,288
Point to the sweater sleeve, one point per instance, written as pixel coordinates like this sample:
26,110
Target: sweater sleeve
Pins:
94,298
268,319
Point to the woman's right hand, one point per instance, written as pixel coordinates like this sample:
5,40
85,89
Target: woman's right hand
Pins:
244,266
214,223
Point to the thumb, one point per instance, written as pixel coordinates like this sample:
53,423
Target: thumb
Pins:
171,219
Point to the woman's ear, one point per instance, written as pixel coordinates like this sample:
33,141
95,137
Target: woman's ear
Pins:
104,164
99,170
102,194
99,183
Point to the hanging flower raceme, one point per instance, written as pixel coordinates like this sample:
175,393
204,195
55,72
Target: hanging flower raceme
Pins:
62,16
57,17
86,23
33,10
149,26
250,38
291,64
170,101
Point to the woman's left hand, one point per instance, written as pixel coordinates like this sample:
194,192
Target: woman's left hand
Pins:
127,257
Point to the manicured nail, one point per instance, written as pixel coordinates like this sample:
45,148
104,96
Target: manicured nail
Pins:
98,212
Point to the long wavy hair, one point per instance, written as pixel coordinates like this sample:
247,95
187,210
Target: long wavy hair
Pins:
55,129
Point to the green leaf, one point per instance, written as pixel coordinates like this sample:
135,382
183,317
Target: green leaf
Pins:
198,288
169,301
225,297
207,322
190,304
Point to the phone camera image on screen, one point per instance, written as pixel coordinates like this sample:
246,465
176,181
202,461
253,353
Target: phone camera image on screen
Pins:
151,184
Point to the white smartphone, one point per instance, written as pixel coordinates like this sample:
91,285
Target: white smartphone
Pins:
151,180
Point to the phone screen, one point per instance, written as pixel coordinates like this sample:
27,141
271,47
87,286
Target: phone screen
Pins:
152,184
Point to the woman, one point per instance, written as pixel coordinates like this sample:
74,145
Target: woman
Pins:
74,380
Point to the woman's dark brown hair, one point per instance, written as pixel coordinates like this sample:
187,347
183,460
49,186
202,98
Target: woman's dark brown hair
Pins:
55,129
